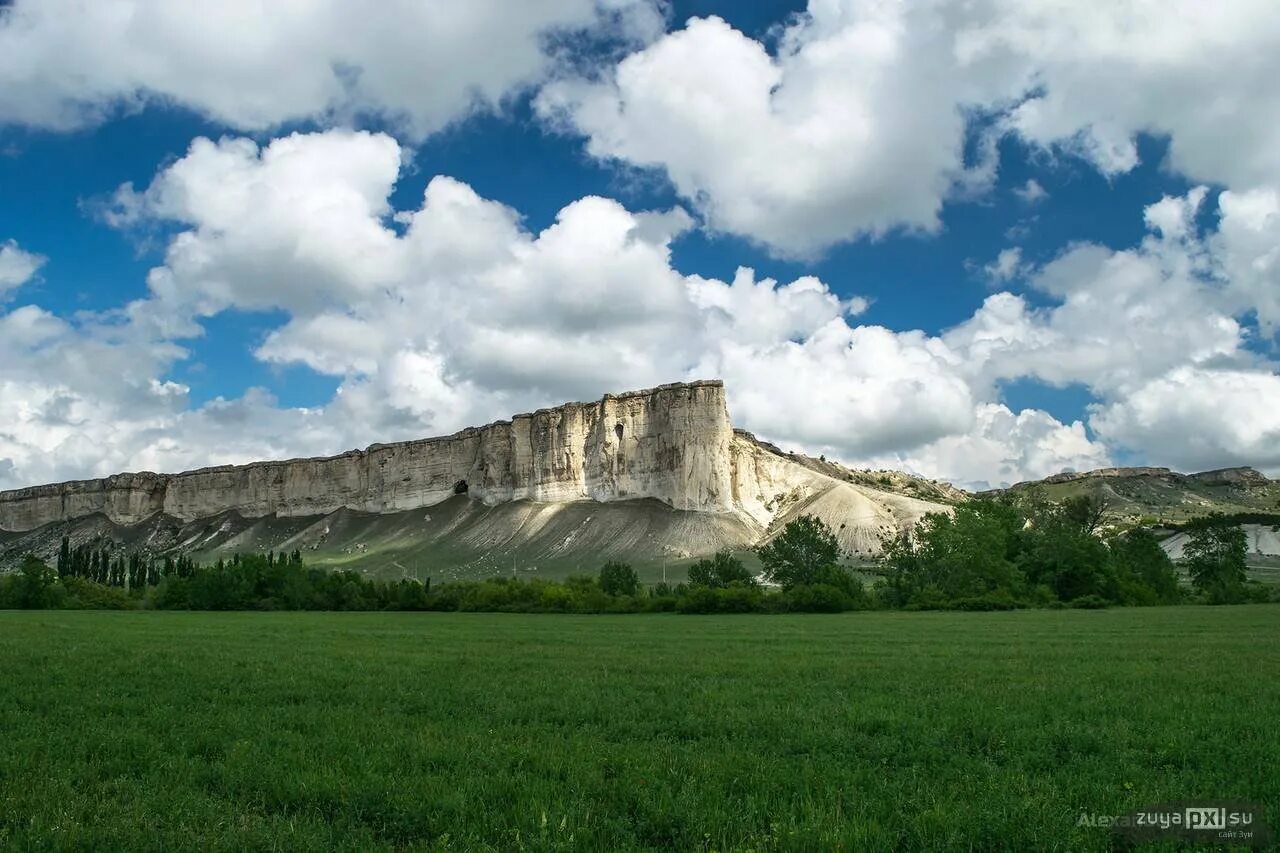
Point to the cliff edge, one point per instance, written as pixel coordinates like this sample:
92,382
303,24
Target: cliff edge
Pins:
673,445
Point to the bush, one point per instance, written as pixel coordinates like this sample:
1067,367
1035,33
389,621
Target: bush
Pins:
556,598
930,597
1258,593
1145,574
845,581
817,598
1215,556
169,594
720,571
739,598
665,602
698,599
967,554
1089,602
84,594
996,600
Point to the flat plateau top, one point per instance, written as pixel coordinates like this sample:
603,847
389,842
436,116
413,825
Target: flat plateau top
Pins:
139,478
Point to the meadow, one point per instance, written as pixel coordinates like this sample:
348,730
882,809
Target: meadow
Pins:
866,730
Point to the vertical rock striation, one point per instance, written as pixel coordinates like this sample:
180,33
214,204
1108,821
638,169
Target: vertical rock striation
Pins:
673,443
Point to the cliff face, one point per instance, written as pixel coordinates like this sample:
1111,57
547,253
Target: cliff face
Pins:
534,484
672,443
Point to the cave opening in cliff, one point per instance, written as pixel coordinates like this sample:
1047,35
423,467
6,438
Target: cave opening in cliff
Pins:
460,487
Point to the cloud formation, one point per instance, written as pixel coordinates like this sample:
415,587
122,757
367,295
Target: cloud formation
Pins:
856,124
17,266
843,133
1194,418
456,315
1155,332
252,66
853,120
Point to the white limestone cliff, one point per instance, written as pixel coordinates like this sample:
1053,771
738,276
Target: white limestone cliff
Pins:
673,443
670,443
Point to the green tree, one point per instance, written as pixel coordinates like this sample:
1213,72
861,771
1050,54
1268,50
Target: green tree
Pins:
618,578
720,571
1061,553
1144,571
969,553
1215,557
36,586
1085,512
801,554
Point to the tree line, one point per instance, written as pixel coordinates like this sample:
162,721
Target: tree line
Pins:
801,573
989,554
996,553
113,567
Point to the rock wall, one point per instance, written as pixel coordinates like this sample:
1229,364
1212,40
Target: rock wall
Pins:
672,443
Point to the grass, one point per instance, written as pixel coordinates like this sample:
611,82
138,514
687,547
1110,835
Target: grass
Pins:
859,731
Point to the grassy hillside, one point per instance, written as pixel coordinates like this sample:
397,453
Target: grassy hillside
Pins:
863,731
1159,495
459,538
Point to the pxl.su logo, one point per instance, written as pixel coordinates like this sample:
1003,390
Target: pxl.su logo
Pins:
1206,817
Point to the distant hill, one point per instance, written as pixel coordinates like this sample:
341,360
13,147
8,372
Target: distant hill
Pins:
1164,500
1159,496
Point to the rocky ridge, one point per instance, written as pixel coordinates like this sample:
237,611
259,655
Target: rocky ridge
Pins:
677,478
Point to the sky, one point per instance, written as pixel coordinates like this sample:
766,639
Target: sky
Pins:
979,240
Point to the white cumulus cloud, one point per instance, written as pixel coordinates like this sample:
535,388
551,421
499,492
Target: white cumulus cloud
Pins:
17,266
848,130
459,316
419,64
1193,418
856,123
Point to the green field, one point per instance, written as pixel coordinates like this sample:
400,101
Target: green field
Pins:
857,731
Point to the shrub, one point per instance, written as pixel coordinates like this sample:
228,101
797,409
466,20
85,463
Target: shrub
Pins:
83,594
738,598
1258,593
999,599
697,599
966,554
169,594
555,598
845,581
665,603
720,570
817,598
1215,558
1145,574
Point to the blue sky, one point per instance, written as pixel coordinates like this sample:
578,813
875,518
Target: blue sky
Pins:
928,282
1125,290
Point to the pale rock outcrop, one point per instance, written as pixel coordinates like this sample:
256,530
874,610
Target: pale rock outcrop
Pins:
772,488
673,443
670,443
